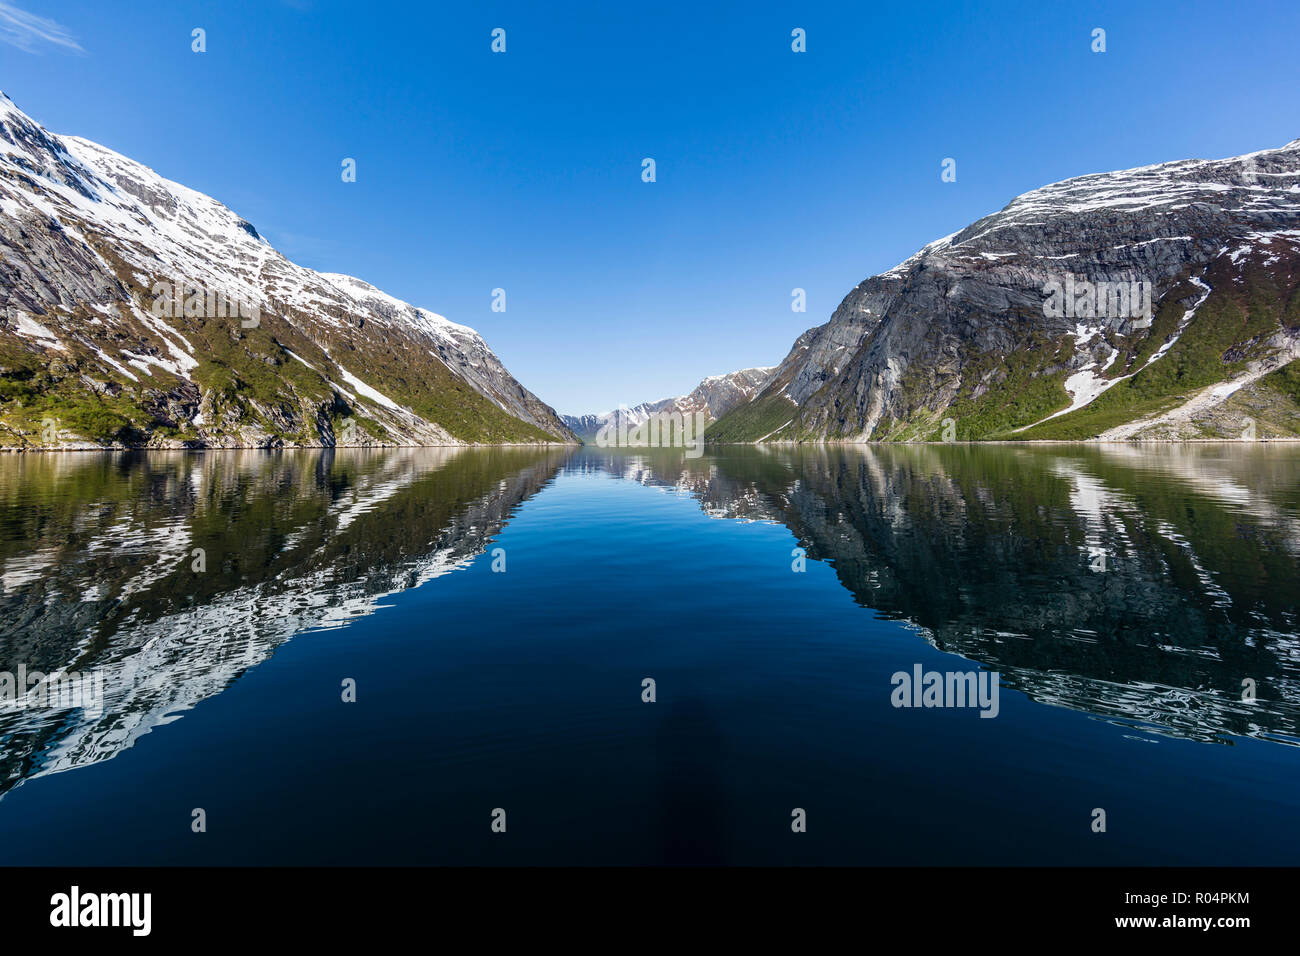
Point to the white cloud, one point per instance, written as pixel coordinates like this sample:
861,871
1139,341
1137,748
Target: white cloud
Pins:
29,32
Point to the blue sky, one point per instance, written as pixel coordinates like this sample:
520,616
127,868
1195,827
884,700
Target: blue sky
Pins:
522,170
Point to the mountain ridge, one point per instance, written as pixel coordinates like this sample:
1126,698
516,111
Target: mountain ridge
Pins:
715,395
88,358
958,341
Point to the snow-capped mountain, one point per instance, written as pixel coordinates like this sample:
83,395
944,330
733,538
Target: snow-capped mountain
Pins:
714,396
134,310
1158,302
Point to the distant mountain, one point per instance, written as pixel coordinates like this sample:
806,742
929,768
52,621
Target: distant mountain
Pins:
1034,322
135,311
585,426
714,396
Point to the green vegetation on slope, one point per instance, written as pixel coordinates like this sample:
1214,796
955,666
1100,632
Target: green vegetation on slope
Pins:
1029,385
753,420
1225,334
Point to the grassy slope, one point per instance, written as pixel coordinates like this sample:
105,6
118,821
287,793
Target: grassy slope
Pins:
1218,343
247,373
752,420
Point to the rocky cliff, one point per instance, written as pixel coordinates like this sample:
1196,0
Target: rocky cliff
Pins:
137,312
1159,302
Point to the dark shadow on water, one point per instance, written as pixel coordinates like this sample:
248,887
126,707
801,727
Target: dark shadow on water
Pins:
689,748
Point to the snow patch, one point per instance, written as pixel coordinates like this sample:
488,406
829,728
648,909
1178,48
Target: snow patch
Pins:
371,393
29,328
1183,322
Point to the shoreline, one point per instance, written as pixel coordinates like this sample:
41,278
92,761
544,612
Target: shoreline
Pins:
1127,442
1012,441
36,449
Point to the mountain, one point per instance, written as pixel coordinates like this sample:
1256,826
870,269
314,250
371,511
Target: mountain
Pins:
1005,330
137,312
714,396
586,426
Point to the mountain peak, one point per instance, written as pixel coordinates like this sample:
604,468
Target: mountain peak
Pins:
714,397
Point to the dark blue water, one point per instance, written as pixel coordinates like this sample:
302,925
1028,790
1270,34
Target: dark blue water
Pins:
521,689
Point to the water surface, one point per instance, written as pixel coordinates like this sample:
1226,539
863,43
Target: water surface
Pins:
1122,593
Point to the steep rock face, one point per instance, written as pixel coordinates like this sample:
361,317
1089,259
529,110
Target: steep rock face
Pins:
136,311
715,396
1000,330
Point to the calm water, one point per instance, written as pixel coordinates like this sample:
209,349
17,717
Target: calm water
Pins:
1123,594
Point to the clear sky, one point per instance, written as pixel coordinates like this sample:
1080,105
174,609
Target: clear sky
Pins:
522,170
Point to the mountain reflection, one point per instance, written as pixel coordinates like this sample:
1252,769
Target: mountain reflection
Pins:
1139,583
100,554
1142,584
